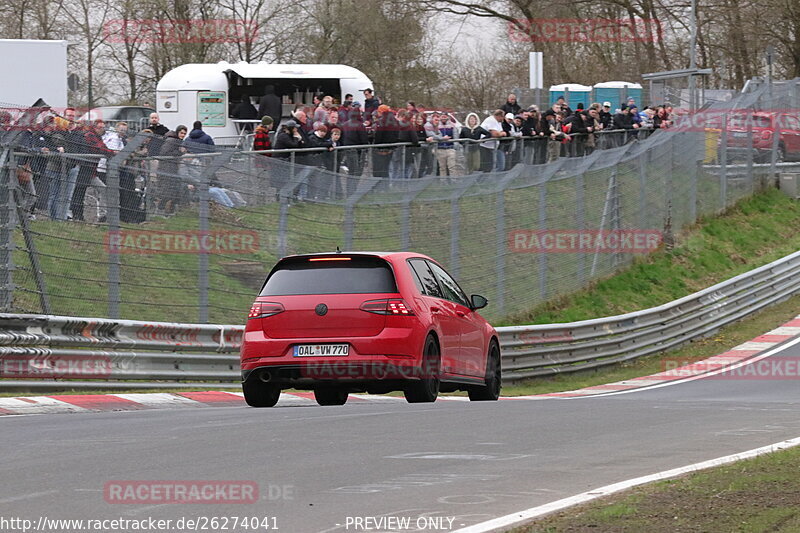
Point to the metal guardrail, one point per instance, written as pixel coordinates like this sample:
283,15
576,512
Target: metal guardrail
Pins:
131,354
548,349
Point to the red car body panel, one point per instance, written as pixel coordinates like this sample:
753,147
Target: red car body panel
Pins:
381,346
763,128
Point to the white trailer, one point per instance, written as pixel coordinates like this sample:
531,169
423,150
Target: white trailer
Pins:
33,70
209,92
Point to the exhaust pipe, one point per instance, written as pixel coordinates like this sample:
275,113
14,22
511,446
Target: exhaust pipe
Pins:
265,376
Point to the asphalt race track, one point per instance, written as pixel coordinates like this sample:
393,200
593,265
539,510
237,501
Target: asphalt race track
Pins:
320,468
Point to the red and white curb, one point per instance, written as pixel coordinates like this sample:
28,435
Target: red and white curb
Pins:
733,357
82,403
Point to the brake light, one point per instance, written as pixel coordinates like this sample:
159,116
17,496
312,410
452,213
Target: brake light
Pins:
392,306
330,259
265,309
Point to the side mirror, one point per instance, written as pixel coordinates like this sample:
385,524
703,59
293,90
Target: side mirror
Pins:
478,302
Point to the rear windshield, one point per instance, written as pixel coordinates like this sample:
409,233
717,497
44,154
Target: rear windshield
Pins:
354,275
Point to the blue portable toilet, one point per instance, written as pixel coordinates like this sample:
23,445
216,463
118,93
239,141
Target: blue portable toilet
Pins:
618,92
573,93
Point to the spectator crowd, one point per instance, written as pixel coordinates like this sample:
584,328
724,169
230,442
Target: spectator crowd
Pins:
348,138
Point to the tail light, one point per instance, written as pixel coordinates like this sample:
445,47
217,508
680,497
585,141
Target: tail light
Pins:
766,134
265,309
391,306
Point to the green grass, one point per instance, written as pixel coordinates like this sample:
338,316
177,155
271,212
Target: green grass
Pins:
756,231
758,495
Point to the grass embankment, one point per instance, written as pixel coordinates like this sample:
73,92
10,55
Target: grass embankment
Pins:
755,232
752,496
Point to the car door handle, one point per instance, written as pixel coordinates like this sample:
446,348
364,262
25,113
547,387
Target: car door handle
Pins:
435,309
462,314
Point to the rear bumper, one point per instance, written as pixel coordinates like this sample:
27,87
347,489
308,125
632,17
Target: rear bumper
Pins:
310,373
394,354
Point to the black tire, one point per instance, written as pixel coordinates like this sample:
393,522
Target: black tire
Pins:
781,155
258,394
330,396
426,389
491,391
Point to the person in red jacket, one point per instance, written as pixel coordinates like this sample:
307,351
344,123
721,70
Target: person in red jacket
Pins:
262,140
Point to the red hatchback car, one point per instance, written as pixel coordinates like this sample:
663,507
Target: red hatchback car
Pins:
342,322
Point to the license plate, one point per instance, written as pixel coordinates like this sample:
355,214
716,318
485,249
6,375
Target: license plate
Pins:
321,350
740,134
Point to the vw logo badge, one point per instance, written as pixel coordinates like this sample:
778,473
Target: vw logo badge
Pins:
321,309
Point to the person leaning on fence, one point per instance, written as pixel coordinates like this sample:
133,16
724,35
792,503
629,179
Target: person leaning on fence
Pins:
471,130
492,157
555,134
509,148
354,133
170,187
407,133
288,138
385,133
92,144
423,158
446,151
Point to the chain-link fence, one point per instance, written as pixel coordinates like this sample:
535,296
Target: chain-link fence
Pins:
167,229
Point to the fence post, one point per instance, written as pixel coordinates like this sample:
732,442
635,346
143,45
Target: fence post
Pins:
750,154
112,216
695,161
500,249
203,198
6,229
580,219
723,164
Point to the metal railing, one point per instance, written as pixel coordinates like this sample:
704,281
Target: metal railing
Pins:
134,354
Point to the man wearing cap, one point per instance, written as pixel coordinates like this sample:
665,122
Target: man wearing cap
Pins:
261,141
288,138
605,115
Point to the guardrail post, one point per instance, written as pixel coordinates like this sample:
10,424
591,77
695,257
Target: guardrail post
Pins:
723,164
7,176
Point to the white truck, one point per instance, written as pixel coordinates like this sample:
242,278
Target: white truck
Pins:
33,70
208,92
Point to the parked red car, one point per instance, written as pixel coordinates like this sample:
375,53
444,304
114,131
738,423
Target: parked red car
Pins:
763,128
337,323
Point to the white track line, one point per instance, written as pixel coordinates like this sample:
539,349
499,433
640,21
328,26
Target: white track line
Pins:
516,519
728,368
